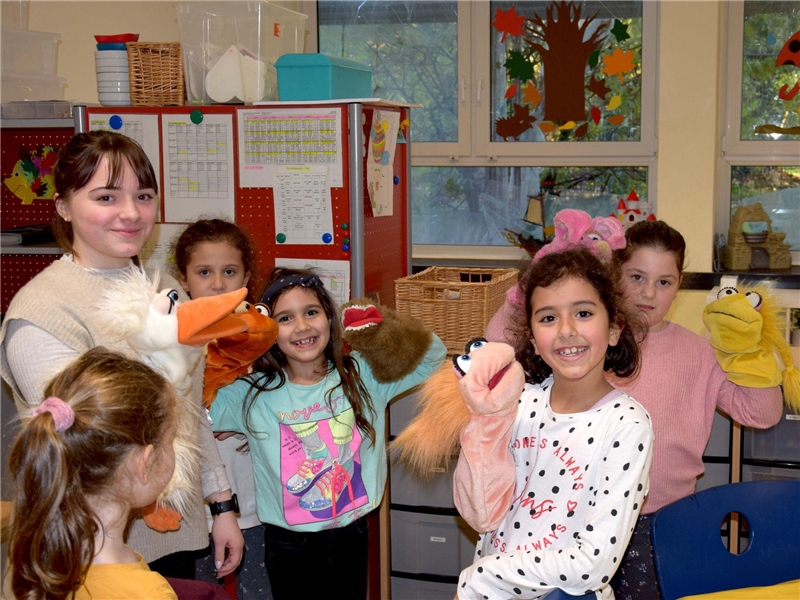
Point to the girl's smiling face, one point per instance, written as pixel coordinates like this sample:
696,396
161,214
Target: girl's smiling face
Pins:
304,331
651,280
571,330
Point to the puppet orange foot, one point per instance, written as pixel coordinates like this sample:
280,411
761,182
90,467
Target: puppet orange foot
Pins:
161,518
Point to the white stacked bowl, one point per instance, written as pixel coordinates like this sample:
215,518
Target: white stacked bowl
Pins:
113,88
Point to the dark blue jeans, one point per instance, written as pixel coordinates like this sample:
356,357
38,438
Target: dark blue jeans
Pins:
330,564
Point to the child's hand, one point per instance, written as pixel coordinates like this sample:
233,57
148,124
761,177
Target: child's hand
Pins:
391,343
492,381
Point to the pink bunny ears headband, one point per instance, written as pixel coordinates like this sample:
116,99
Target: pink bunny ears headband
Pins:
63,415
577,229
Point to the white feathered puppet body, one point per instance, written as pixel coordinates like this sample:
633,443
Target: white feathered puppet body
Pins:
169,336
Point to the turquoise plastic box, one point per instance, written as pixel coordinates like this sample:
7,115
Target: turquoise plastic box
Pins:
322,77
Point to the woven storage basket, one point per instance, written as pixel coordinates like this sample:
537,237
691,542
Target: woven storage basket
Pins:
155,72
455,303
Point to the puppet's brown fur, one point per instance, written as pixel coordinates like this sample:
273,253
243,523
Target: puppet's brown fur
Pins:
431,440
392,349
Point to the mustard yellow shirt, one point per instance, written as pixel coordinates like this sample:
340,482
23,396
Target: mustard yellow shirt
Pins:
130,581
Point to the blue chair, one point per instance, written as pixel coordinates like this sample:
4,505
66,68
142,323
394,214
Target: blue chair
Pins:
690,556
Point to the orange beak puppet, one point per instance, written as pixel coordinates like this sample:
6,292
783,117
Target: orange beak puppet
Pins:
169,335
230,357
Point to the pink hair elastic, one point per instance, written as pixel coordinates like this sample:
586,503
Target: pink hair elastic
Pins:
63,415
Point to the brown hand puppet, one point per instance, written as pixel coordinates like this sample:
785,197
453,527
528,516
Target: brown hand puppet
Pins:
486,380
392,344
231,357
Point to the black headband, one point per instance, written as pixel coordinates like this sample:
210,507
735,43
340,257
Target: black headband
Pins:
288,281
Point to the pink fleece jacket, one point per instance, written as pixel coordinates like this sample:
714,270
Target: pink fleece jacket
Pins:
681,384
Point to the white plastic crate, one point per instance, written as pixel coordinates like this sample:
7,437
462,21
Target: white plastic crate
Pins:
28,52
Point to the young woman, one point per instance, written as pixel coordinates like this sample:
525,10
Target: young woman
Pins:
106,205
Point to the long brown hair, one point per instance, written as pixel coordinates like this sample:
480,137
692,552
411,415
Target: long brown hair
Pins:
77,162
119,404
268,373
622,359
656,235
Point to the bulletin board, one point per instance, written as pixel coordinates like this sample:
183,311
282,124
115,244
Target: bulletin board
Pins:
385,238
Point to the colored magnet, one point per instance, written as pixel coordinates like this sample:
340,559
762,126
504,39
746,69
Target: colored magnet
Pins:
281,238
327,238
346,248
345,226
346,240
397,179
115,122
196,117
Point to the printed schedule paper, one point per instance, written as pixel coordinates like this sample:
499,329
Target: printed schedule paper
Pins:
198,167
302,199
143,129
274,137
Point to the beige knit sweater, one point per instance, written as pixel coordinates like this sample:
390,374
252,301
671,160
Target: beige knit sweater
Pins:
60,300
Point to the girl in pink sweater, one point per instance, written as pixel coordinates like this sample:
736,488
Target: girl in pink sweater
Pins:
680,384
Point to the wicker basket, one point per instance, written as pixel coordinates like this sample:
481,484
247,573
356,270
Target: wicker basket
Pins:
455,303
155,71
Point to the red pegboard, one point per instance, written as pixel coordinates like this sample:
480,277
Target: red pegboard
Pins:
385,238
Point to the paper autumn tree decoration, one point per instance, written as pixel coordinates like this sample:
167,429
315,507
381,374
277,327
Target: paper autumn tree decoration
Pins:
576,56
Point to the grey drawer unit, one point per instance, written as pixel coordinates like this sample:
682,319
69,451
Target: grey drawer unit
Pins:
408,489
432,544
716,474
418,589
780,443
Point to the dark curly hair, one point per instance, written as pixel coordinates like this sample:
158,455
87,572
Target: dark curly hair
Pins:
622,359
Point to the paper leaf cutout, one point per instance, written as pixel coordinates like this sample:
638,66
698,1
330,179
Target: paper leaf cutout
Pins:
618,63
511,91
614,103
595,115
599,88
567,126
516,124
620,31
518,66
581,131
547,127
508,22
616,119
531,95
594,58
787,96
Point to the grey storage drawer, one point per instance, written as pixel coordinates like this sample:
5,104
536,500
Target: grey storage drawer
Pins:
411,490
401,411
719,442
414,589
433,544
778,443
716,474
759,473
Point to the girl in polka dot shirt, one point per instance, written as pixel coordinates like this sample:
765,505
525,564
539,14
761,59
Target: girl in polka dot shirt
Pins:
555,479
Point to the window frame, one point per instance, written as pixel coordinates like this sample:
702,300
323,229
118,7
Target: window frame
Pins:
734,151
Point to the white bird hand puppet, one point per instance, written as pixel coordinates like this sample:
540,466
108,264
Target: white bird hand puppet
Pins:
169,336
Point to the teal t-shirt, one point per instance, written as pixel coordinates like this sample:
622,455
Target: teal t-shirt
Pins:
312,468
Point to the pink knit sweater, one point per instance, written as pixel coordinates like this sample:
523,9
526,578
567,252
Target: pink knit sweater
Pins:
681,384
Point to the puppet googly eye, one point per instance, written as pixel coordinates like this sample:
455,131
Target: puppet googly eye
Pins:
474,344
726,291
172,295
243,307
754,298
595,237
263,309
462,363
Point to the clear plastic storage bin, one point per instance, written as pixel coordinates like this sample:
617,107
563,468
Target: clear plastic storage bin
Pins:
31,87
230,49
28,52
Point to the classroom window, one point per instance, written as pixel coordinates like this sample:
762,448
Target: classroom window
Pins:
760,161
472,180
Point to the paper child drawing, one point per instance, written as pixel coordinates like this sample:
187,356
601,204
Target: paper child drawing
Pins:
321,469
32,177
